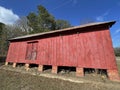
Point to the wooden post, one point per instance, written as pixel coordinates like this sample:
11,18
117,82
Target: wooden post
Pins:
14,65
27,67
6,63
54,69
113,75
40,68
79,72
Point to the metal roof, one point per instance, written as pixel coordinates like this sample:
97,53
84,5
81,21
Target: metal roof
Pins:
109,23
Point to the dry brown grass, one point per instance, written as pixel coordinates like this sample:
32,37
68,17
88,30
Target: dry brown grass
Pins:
18,81
11,80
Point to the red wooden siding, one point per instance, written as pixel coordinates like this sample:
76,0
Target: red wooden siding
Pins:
84,49
22,52
109,52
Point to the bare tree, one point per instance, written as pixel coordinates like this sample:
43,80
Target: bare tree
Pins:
22,24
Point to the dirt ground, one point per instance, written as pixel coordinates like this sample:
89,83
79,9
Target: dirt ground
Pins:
19,79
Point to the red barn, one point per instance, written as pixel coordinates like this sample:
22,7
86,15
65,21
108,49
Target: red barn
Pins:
85,46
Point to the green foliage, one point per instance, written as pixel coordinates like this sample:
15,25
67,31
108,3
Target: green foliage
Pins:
1,28
33,22
43,21
46,20
60,24
117,51
2,39
1,25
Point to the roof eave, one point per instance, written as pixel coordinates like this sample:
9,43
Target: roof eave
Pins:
110,23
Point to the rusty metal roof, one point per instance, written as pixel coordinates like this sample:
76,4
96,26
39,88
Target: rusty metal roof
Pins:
109,23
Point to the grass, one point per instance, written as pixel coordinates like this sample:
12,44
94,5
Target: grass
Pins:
18,81
118,65
118,58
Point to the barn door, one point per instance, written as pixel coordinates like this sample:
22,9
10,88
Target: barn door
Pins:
31,53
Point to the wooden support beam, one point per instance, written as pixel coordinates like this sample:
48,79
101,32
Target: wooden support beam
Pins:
27,67
14,65
113,75
54,69
79,72
6,63
40,68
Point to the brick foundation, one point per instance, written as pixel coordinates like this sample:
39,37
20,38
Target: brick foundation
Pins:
40,68
54,69
27,67
79,72
14,65
113,75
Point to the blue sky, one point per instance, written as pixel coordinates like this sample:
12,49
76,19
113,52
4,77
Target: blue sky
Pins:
74,11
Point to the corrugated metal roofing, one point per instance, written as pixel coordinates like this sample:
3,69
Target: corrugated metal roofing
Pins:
110,23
